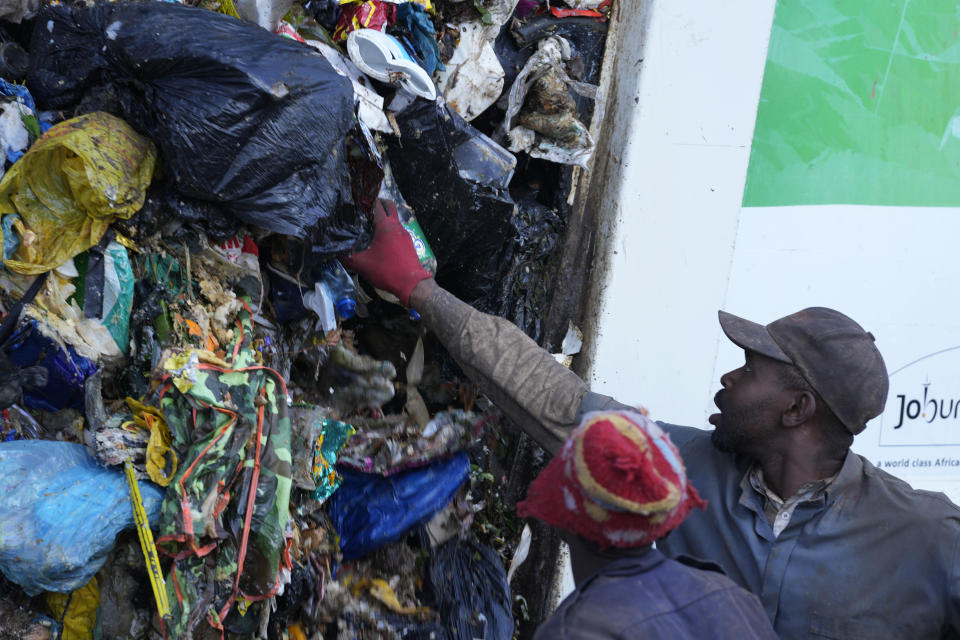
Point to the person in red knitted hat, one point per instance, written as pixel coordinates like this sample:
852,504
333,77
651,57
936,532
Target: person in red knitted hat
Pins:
617,485
618,481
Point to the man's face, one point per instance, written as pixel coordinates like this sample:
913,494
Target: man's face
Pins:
750,406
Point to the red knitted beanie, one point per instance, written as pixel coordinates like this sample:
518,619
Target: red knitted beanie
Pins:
618,481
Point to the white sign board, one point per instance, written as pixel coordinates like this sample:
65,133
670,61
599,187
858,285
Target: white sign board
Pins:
883,267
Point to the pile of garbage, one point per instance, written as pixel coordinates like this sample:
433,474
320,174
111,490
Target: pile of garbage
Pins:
210,428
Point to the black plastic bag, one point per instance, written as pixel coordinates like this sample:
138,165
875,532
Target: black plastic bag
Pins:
527,270
180,220
470,590
325,12
455,179
243,117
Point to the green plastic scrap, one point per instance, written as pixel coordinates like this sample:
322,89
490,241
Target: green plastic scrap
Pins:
332,439
118,284
485,16
31,124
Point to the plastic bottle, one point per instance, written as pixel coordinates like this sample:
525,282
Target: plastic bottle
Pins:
390,194
333,294
343,293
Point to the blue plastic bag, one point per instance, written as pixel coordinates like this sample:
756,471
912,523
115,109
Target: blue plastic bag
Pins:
370,510
413,18
60,512
66,369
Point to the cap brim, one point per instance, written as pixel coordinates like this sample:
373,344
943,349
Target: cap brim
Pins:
751,336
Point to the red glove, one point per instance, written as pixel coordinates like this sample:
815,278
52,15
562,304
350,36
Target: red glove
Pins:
391,262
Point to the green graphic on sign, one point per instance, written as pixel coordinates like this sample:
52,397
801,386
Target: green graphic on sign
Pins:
860,104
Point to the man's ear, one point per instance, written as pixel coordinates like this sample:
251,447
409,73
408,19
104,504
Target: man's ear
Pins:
802,407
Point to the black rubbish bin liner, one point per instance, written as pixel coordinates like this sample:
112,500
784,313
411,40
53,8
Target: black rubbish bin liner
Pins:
244,118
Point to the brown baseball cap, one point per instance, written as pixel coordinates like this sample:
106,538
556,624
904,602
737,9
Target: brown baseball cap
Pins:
833,353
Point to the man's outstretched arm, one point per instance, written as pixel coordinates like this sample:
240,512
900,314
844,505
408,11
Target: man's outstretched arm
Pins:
525,382
536,392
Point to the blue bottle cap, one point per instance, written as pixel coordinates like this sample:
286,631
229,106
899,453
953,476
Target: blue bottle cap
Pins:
414,316
346,308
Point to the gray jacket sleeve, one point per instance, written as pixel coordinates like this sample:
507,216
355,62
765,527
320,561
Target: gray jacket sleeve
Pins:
525,382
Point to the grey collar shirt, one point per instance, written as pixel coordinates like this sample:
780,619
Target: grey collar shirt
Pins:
778,510
864,556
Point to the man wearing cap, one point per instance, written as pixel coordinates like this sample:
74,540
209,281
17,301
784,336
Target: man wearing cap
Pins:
617,485
832,546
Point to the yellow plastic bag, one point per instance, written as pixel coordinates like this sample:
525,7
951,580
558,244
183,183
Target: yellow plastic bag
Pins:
382,591
73,182
226,7
81,614
161,458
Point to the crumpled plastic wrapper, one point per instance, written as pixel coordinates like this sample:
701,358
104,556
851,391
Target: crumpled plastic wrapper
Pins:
392,444
332,439
543,110
473,78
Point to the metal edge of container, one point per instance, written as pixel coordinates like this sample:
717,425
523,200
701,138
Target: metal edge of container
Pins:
595,202
594,196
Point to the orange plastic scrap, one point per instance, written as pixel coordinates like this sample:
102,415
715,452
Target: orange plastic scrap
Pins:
193,328
295,632
209,341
